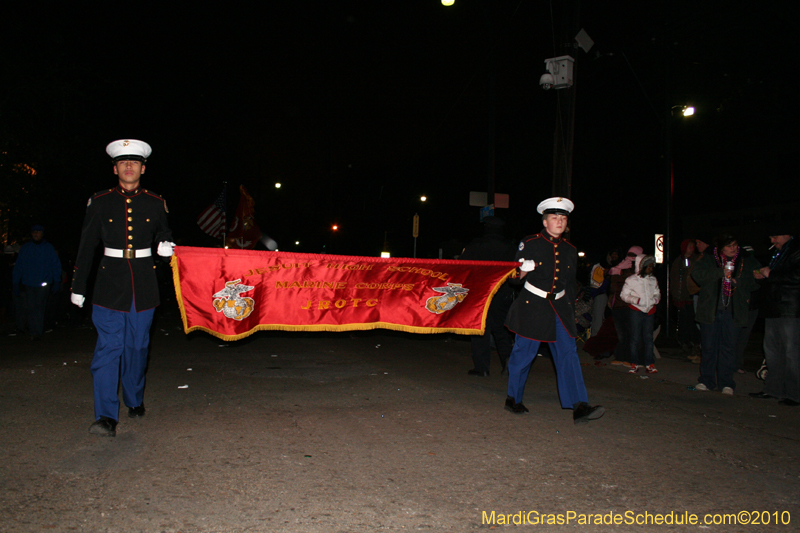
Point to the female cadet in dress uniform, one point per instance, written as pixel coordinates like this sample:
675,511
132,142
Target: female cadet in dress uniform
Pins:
128,220
545,312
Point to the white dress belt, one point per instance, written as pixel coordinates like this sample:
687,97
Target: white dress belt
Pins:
542,294
128,254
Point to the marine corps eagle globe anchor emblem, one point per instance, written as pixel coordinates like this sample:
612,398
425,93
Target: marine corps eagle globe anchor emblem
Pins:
229,301
452,295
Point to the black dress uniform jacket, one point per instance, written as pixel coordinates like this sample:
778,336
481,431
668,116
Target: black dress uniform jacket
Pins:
123,220
532,316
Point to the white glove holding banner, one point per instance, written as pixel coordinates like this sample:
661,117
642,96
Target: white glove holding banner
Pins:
165,248
77,299
527,265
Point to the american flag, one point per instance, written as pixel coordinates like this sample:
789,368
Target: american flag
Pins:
212,220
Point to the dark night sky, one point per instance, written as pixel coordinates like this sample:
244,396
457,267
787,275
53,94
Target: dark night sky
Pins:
358,107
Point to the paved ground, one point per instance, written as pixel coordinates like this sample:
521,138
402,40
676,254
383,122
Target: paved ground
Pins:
377,431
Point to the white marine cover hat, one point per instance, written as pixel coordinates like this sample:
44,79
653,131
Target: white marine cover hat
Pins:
133,149
556,205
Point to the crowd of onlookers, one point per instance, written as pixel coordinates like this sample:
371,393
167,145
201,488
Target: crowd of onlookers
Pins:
716,292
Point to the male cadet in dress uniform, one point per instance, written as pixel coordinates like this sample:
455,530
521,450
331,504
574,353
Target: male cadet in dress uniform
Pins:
128,220
545,312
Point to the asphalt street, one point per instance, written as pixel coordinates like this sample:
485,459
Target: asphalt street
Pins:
381,431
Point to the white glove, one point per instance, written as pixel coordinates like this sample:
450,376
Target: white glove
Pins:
165,248
77,299
527,265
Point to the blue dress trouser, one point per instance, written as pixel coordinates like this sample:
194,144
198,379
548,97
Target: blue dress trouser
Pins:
120,355
571,389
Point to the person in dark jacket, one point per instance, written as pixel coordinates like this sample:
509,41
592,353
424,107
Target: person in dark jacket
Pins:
491,246
725,277
545,312
782,319
37,274
128,220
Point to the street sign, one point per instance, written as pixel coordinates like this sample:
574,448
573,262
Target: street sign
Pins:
481,199
659,255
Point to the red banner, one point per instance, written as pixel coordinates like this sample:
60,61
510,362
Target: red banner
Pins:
233,293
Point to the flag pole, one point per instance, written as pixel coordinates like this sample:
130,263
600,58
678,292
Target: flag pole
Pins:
225,226
241,241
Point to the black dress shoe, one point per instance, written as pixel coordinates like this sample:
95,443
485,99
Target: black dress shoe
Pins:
584,412
760,395
104,426
481,373
136,412
789,402
514,407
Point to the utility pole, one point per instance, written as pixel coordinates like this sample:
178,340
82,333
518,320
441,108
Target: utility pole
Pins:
563,142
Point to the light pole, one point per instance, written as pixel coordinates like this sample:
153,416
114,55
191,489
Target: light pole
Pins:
685,111
415,224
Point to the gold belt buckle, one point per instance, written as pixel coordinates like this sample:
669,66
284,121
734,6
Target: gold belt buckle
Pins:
129,254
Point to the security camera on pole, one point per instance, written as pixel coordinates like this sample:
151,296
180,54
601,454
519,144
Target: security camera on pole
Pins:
561,75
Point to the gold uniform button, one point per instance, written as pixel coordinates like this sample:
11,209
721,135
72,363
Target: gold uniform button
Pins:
148,220
130,246
130,210
555,277
558,261
557,270
556,253
130,228
130,237
130,219
110,220
128,200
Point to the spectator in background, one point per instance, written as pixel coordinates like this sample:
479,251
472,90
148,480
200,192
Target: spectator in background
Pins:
619,309
491,246
598,285
725,276
681,293
642,294
37,274
782,319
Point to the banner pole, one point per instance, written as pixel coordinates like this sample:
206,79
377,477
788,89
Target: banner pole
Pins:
225,226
